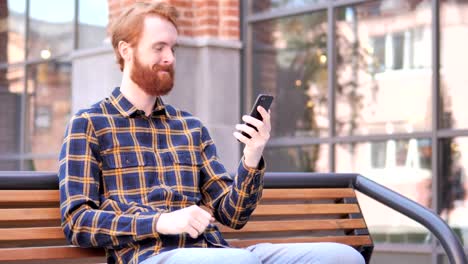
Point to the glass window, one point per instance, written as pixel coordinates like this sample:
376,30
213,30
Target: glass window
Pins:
403,166
453,55
9,165
289,61
384,75
51,28
40,164
11,89
312,158
93,16
453,186
12,30
257,6
48,106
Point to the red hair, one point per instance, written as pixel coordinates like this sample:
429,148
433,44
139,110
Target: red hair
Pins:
129,25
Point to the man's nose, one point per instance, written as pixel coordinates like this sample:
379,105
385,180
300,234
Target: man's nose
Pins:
168,58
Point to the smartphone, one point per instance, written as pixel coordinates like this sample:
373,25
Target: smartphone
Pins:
263,100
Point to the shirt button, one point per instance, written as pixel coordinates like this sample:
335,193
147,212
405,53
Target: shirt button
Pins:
127,161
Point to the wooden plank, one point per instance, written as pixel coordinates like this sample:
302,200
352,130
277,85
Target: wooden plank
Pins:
31,233
43,253
304,209
29,214
307,194
297,225
348,240
29,196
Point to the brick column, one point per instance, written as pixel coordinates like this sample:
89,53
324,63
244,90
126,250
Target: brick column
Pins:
198,18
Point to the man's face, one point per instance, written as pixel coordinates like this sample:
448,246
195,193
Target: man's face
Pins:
153,57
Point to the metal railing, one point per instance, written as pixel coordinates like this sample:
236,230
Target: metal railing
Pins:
433,222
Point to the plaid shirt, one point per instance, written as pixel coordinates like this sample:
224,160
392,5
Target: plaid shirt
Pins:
119,170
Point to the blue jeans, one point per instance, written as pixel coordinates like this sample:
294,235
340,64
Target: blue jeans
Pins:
324,253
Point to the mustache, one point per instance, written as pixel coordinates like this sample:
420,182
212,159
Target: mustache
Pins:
167,68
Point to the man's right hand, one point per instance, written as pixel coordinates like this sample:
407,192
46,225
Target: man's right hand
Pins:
192,220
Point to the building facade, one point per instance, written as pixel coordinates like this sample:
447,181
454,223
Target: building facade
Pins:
374,87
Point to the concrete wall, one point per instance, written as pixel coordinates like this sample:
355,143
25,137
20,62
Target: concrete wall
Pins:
207,85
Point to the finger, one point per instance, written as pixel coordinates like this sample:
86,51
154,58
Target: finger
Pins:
265,115
197,225
193,233
246,128
241,137
266,118
201,223
212,220
204,213
253,121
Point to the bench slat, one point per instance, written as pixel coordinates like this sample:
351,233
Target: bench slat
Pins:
307,194
29,214
42,253
297,225
304,209
348,240
31,233
8,197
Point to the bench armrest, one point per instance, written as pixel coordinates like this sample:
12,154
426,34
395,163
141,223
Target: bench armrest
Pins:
380,193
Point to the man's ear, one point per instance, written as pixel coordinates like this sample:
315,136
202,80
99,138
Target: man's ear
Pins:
125,51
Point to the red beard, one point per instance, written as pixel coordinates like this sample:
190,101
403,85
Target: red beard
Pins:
155,81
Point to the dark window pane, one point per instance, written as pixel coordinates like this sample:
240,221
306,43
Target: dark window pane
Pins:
289,61
48,109
92,23
269,5
312,158
11,89
12,30
9,165
50,30
384,75
403,166
454,55
453,186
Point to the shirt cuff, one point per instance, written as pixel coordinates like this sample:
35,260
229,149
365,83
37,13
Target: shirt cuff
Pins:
259,169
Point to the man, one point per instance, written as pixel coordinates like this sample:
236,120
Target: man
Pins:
134,172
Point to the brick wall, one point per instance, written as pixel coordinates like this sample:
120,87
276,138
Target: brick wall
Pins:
198,18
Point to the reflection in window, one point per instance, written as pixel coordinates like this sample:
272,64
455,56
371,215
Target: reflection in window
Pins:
454,55
403,166
290,62
11,89
384,75
401,153
312,158
269,5
51,33
453,185
12,30
48,111
92,23
401,50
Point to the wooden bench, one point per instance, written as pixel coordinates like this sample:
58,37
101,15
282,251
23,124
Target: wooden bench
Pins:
296,207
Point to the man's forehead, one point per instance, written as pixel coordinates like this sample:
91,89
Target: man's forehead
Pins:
155,25
159,30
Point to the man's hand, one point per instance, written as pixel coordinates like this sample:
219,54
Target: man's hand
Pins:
254,146
192,220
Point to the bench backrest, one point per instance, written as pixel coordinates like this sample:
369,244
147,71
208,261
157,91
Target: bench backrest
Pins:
30,223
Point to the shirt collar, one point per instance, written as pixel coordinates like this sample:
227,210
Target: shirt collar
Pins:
127,109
